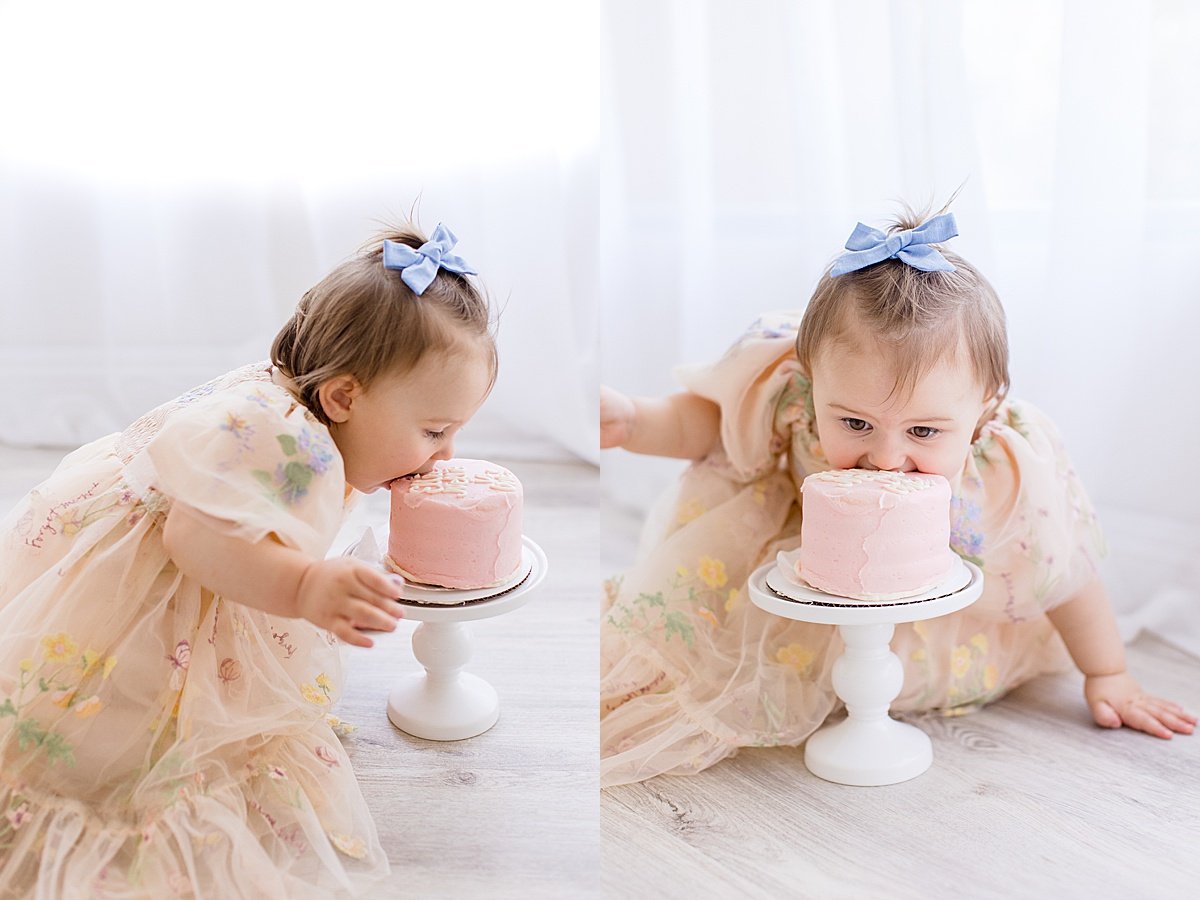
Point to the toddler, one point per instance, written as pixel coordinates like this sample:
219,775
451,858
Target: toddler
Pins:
899,363
170,648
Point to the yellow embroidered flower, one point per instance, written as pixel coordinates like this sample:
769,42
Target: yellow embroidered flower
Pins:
990,677
338,726
734,597
314,695
108,665
681,571
324,682
88,660
72,521
209,840
960,660
63,699
707,615
89,707
918,655
797,656
712,572
59,647
693,509
980,642
26,665
352,846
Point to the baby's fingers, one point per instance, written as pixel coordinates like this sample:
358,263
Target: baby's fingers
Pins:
346,631
1173,716
365,614
1141,718
375,584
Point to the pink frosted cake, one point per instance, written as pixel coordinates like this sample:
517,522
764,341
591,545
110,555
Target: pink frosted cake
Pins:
875,535
458,526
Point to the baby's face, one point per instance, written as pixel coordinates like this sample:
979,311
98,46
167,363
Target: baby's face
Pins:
402,424
860,426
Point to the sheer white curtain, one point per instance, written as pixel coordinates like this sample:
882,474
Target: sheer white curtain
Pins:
750,136
173,178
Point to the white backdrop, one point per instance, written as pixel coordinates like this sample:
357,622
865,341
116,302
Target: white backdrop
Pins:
173,178
748,137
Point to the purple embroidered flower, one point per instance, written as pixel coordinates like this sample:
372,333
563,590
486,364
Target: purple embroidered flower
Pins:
316,448
965,539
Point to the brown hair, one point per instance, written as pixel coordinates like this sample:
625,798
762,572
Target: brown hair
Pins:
363,320
918,316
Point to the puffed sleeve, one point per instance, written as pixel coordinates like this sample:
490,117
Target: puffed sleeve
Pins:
254,463
746,383
1022,514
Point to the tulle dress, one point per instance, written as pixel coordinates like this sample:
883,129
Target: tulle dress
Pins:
157,740
691,670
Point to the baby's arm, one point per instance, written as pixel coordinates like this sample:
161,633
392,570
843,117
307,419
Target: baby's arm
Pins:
341,595
1089,630
683,425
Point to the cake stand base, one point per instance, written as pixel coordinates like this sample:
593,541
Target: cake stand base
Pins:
443,710
868,753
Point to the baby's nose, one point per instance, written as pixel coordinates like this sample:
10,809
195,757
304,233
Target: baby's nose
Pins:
887,457
447,451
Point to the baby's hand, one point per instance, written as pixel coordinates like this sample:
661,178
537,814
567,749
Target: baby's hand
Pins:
1117,700
345,595
616,418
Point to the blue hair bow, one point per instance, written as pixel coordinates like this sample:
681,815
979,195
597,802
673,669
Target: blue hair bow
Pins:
868,246
419,267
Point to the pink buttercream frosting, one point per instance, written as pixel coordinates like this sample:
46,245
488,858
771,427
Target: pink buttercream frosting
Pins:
870,535
459,526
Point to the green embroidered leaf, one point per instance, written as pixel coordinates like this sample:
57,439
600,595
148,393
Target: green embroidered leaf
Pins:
298,474
58,750
676,622
263,478
288,443
651,599
29,734
8,709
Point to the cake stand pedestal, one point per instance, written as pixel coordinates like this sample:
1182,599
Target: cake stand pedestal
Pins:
868,747
444,702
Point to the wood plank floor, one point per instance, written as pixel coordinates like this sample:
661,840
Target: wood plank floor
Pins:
1025,799
512,812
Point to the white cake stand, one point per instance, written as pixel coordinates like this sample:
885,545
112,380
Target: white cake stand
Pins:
445,703
868,747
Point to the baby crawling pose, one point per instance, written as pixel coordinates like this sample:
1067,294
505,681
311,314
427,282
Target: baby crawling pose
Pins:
900,362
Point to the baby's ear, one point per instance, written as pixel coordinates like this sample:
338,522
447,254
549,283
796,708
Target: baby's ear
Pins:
337,396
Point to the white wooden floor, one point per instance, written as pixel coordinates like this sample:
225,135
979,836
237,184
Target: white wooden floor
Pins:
1025,799
513,812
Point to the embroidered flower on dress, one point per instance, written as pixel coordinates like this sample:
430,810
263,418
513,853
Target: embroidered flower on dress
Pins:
339,727
960,660
965,539
59,647
325,755
19,816
353,847
89,707
712,572
797,656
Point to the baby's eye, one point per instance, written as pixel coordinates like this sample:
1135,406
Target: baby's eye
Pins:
855,424
435,435
924,432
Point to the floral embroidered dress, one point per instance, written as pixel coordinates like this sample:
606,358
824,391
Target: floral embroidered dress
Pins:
157,740
691,670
